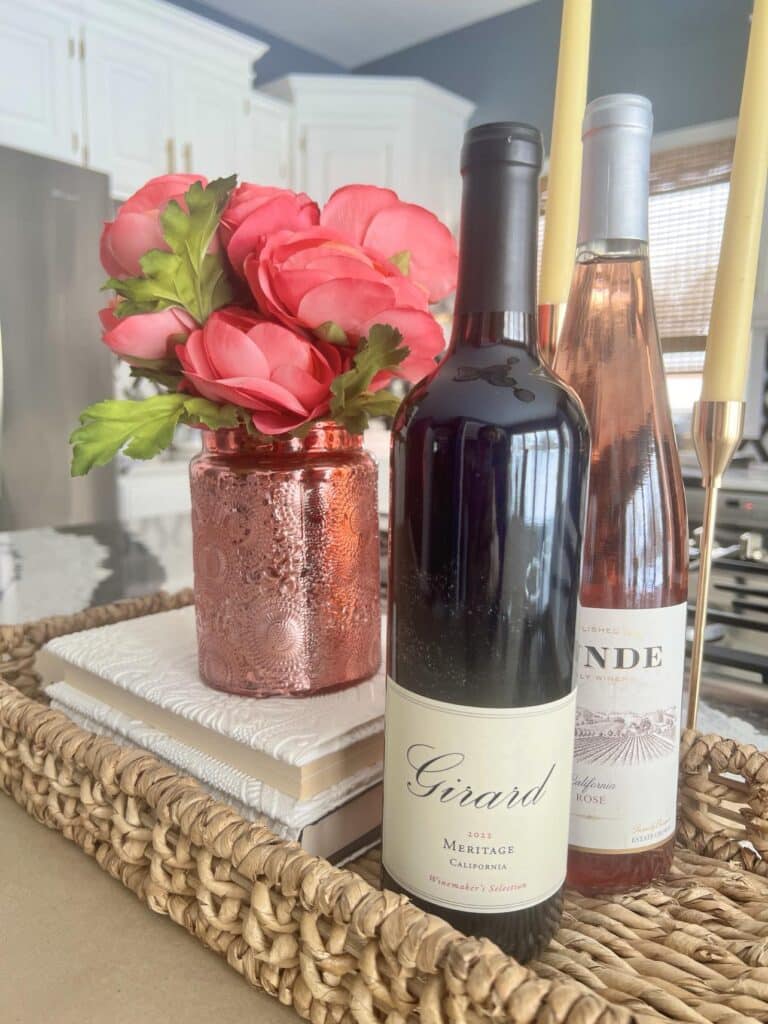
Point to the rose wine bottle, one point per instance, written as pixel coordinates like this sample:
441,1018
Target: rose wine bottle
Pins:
631,631
489,461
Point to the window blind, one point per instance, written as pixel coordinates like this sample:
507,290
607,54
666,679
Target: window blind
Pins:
688,197
686,214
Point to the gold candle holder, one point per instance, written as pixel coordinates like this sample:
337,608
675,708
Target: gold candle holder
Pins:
717,429
551,316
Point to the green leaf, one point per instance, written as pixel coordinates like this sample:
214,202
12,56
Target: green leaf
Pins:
379,403
299,432
191,232
211,415
330,331
165,378
402,261
369,405
381,350
144,294
168,365
188,276
215,286
144,428
352,404
165,372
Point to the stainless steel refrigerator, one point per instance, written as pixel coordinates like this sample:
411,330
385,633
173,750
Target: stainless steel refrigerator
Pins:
53,362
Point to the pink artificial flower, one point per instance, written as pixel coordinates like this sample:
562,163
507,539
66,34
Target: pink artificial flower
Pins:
309,279
136,229
254,212
388,228
277,373
145,336
239,316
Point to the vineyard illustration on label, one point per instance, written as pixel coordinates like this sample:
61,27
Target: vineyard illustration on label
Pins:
624,737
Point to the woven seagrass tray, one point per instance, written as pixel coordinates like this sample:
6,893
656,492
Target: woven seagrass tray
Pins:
327,940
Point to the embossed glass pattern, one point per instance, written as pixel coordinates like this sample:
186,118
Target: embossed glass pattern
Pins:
286,560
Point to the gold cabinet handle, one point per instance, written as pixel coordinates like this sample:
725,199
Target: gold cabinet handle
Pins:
170,155
186,155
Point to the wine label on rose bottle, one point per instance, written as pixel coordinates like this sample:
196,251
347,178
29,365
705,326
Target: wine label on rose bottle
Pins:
476,800
628,671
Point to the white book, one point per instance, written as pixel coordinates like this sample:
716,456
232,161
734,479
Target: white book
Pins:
335,824
146,668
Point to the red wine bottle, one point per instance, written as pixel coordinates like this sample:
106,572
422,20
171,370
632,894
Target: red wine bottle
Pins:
489,462
631,632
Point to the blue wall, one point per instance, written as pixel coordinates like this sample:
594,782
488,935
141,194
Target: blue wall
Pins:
687,56
282,58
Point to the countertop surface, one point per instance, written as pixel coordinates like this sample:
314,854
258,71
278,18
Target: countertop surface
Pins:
59,570
78,948
75,946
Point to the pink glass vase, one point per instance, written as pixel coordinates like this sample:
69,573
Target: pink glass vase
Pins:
286,558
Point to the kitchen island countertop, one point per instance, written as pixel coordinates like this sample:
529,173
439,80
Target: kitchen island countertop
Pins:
61,570
76,946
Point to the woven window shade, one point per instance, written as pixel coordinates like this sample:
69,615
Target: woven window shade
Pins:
689,194
688,197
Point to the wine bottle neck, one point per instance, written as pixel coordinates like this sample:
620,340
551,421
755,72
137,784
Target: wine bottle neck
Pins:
615,170
497,261
612,249
500,327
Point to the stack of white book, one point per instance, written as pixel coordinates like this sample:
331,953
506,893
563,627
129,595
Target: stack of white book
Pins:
310,767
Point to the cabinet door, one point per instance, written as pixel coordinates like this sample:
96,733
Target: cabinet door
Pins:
267,155
332,155
40,103
211,118
129,103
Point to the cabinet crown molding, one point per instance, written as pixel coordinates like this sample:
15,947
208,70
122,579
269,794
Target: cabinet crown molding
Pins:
193,35
312,90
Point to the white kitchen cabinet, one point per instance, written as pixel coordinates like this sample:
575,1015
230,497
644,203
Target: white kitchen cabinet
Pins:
266,153
134,89
40,103
401,133
130,112
166,91
211,124
143,87
331,155
224,131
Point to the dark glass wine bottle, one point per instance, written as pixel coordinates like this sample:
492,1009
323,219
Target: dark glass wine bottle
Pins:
631,632
489,465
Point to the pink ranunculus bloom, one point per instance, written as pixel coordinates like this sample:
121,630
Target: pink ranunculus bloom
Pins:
240,317
312,278
256,211
376,219
145,335
136,229
277,373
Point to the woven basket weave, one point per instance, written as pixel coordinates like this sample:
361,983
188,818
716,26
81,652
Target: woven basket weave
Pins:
693,948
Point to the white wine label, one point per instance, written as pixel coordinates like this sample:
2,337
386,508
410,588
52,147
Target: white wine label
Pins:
628,670
476,800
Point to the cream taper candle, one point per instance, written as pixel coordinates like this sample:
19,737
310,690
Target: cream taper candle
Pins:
727,357
564,179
